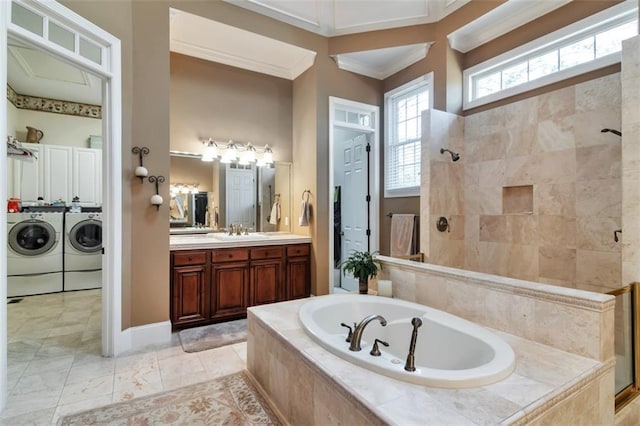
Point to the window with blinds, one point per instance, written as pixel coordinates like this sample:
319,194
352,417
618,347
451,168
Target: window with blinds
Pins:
403,116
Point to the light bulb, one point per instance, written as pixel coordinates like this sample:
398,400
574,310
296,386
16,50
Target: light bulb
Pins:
156,200
268,155
141,172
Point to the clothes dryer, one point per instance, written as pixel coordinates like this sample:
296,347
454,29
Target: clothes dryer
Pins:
83,251
35,253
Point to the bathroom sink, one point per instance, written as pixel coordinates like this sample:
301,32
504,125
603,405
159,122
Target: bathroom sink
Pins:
249,237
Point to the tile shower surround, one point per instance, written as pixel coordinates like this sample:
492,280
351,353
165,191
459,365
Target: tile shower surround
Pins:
562,339
552,143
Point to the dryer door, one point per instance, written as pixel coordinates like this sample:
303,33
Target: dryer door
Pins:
86,236
32,237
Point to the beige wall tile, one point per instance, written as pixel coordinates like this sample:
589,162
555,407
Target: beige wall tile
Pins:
557,263
490,200
472,227
598,162
596,233
598,268
556,104
557,167
557,231
555,199
601,94
601,197
494,229
556,134
492,173
523,229
523,170
588,126
523,262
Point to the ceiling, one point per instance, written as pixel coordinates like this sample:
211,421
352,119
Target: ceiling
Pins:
338,17
31,72
35,73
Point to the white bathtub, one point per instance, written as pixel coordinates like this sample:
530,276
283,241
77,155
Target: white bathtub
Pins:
450,352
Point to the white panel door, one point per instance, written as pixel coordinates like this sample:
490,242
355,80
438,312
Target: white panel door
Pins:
87,175
57,173
354,202
28,176
241,196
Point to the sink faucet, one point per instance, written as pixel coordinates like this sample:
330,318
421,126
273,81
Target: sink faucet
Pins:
357,332
231,229
239,229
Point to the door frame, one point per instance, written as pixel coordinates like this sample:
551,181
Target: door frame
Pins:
374,168
113,339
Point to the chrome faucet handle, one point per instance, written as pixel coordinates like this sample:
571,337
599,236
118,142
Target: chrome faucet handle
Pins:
375,351
239,229
350,335
246,230
231,229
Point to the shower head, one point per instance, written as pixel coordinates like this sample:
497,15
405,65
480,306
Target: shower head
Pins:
454,155
615,132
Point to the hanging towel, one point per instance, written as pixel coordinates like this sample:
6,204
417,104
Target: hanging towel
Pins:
275,214
304,213
402,234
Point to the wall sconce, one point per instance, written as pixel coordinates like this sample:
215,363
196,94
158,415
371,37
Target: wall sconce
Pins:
156,199
235,151
141,171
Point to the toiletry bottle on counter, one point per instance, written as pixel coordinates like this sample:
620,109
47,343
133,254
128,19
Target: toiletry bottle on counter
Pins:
75,205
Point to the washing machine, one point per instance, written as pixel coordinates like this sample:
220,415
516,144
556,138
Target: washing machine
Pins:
35,253
83,251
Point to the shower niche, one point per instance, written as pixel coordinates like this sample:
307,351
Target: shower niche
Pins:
517,199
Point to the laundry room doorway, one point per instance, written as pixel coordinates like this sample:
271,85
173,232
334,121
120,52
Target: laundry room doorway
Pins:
354,181
51,29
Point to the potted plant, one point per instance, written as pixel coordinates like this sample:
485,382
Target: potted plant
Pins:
362,266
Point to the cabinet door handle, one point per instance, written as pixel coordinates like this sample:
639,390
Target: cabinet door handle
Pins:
190,258
230,256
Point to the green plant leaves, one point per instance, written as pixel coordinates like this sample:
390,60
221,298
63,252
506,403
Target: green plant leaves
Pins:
361,265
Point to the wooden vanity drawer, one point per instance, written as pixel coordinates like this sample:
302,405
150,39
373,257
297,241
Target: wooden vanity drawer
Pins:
269,252
230,255
189,258
298,250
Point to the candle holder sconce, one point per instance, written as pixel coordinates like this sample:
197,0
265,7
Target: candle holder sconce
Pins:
141,170
156,199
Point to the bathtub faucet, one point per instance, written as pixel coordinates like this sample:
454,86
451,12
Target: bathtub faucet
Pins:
357,332
410,365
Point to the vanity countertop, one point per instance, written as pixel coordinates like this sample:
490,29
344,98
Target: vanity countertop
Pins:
222,240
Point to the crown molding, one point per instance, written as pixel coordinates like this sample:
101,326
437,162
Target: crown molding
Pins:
382,63
499,21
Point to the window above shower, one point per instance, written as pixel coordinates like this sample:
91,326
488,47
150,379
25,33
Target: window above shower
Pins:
592,43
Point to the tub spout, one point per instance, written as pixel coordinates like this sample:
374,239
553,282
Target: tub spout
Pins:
357,333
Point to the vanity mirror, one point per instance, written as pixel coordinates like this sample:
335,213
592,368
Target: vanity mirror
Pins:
216,195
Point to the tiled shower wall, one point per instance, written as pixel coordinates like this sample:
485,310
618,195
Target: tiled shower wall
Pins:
536,194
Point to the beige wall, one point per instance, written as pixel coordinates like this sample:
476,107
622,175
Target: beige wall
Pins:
58,129
143,27
222,102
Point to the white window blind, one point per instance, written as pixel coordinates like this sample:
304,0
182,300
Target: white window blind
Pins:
403,112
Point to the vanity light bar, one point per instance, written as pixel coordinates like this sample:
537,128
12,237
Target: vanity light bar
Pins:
236,151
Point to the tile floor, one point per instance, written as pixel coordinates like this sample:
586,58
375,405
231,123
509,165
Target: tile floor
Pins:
55,367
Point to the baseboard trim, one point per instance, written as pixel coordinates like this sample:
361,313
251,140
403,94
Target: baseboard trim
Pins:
136,338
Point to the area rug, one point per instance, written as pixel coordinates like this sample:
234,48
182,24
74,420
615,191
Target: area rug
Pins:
229,400
213,336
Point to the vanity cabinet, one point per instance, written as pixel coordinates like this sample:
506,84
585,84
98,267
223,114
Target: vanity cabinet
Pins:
298,272
229,283
266,275
217,285
189,282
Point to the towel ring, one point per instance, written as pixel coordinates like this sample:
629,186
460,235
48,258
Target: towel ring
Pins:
308,192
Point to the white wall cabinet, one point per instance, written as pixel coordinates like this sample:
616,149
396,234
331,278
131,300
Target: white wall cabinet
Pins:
57,172
87,175
60,172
